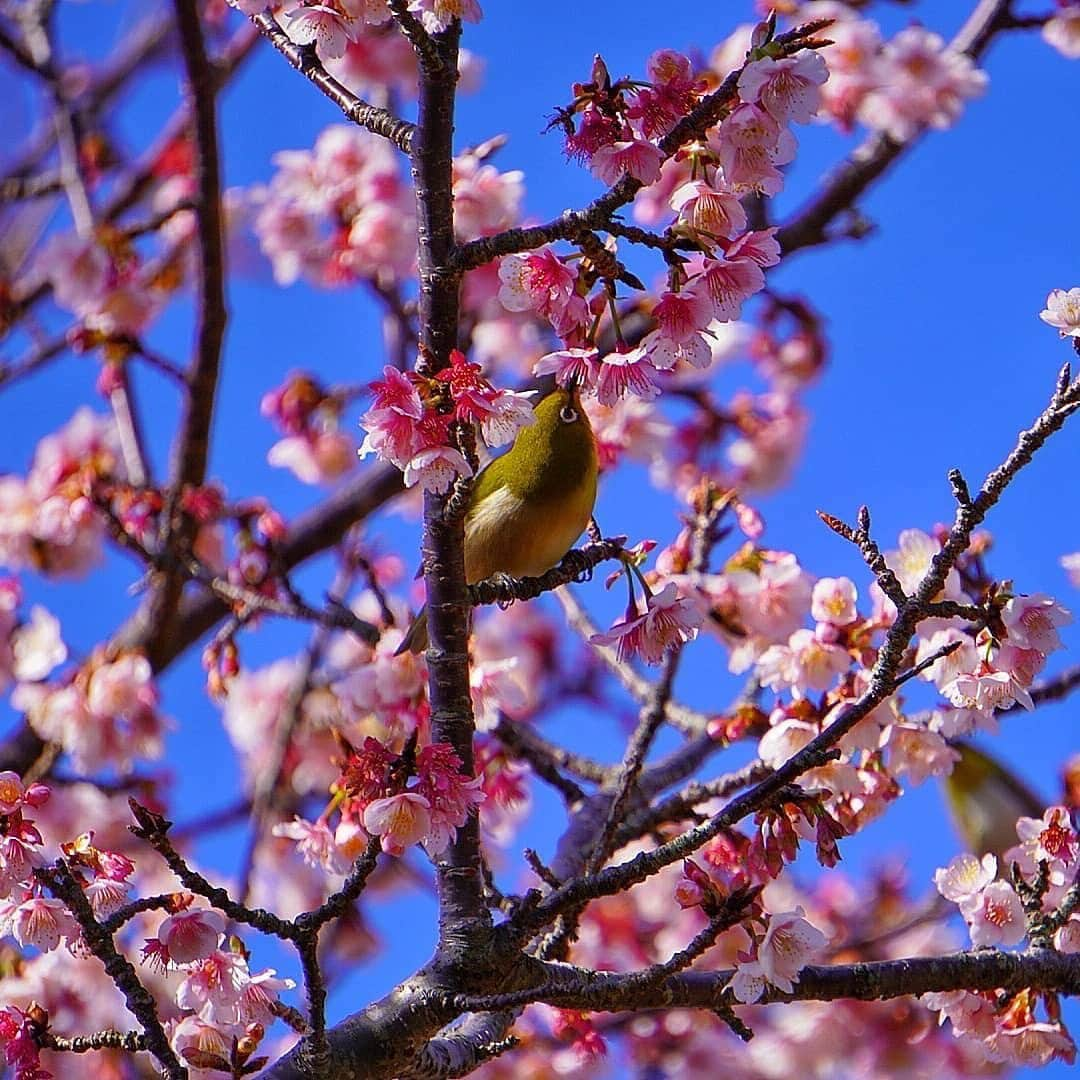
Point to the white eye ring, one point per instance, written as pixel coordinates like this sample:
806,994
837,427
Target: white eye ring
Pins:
568,414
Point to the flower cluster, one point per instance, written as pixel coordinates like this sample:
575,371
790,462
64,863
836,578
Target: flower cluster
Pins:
105,714
1048,861
612,125
101,280
338,213
787,946
313,448
374,802
20,846
48,520
899,86
411,418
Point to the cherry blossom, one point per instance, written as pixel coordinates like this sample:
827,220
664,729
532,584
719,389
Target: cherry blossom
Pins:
625,372
922,82
786,88
681,333
1062,31
328,26
668,622
1063,311
636,158
790,943
707,211
965,877
436,14
399,821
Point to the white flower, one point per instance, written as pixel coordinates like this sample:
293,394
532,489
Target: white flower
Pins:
789,945
965,877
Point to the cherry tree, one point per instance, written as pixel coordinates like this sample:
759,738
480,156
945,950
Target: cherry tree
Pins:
687,916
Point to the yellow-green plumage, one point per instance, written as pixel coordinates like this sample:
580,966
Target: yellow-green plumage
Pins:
530,505
985,799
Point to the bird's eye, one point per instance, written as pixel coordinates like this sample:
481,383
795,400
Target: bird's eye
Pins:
568,414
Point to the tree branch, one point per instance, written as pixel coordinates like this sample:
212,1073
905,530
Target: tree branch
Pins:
303,59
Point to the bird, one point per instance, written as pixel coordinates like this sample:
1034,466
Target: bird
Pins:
528,506
985,799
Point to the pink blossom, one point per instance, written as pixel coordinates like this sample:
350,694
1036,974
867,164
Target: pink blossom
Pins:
752,145
627,157
107,895
486,201
449,794
315,842
853,65
1033,1045
707,210
1052,840
760,246
508,411
784,740
1067,939
911,561
578,366
918,753
43,924
37,647
969,1013
399,820
833,601
658,108
1071,563
212,987
945,669
788,87
317,457
191,935
79,270
1063,308
790,943
537,281
728,283
805,663
496,688
1062,31
995,916
748,983
436,468
986,689
625,372
393,421
681,333
123,686
1032,622
193,1036
965,877
19,856
436,15
920,82
259,994
328,26
12,792
773,601
668,622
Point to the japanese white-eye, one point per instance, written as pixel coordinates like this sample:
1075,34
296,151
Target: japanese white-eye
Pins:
985,799
529,506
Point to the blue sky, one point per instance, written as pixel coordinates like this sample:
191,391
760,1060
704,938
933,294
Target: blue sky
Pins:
938,359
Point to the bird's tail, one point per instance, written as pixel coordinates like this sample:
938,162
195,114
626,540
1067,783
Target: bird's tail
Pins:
415,639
